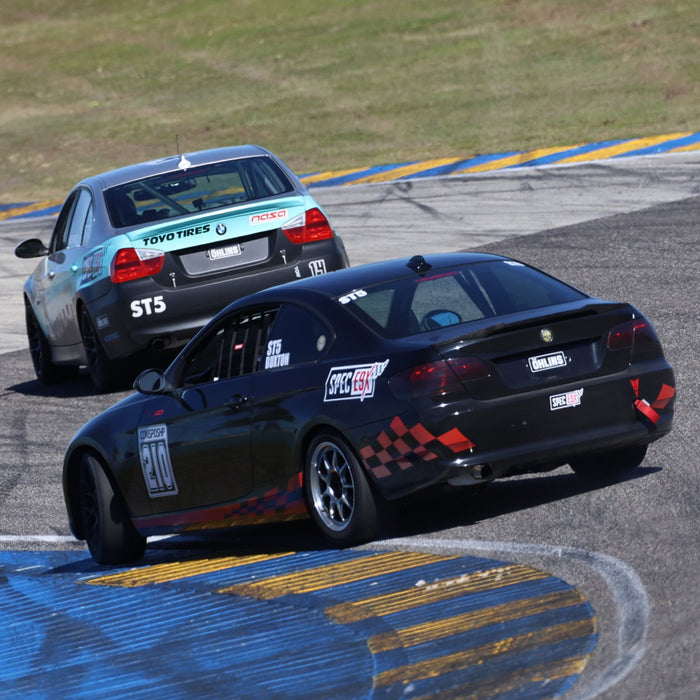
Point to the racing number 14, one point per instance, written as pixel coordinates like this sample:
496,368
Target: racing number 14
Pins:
155,461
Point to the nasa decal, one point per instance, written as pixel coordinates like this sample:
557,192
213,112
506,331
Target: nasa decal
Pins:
353,381
267,217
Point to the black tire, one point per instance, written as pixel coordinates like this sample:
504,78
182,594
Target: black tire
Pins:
103,372
609,463
111,536
46,371
338,495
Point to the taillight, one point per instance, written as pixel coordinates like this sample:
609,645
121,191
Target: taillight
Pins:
638,335
437,378
310,226
133,263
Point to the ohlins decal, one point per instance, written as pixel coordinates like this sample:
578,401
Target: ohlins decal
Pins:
353,381
549,361
176,235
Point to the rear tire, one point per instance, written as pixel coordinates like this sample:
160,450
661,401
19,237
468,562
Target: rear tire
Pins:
103,372
111,536
338,495
612,462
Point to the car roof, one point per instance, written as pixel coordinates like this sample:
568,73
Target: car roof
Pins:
138,171
339,282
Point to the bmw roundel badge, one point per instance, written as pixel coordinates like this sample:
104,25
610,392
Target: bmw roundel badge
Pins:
221,229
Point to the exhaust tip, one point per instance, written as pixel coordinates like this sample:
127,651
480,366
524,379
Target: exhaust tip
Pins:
482,472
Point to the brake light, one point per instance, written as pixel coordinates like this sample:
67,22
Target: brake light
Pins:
310,226
638,335
468,368
134,263
437,378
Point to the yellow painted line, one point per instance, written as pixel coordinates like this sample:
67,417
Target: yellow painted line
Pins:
439,629
35,206
511,682
686,149
446,589
406,170
472,657
322,577
620,148
516,159
164,573
329,174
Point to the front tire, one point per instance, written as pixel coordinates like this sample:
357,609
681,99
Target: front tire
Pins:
609,463
111,536
46,371
338,495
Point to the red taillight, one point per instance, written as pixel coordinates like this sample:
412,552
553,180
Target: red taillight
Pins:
468,368
310,226
437,378
638,335
133,263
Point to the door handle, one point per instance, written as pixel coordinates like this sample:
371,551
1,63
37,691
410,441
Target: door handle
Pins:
236,401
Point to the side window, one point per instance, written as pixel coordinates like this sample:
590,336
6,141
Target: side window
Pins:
232,349
81,212
59,238
296,337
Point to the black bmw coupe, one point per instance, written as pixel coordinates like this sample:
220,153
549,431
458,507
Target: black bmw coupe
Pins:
331,395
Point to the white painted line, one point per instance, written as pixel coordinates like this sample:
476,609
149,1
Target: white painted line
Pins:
623,581
48,539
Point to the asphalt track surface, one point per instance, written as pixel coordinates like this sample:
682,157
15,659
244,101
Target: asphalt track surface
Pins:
629,547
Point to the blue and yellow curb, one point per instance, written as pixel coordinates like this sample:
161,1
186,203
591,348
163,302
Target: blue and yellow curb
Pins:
341,624
681,142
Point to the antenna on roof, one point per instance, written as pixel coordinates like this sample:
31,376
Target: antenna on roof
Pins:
419,264
184,163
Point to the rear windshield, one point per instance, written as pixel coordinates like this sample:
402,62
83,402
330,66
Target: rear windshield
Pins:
195,189
417,304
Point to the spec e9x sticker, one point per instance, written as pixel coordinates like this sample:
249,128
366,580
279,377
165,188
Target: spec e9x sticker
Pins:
353,381
568,399
155,461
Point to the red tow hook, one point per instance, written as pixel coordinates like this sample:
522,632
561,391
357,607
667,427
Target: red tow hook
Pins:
648,410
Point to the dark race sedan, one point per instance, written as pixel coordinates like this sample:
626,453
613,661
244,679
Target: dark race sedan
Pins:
332,395
142,257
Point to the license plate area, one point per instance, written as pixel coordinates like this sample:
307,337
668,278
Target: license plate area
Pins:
225,256
227,251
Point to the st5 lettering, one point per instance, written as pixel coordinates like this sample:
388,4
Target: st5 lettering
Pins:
147,306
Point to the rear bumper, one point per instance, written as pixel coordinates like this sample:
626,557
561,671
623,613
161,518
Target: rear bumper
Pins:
518,433
143,315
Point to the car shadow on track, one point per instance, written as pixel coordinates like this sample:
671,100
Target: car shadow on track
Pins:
444,508
423,514
77,388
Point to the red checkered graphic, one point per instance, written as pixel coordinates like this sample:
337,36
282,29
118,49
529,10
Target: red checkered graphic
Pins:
399,448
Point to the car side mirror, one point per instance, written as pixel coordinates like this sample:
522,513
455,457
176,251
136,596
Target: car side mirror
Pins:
150,381
31,248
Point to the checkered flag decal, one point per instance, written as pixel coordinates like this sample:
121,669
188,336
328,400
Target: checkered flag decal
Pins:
400,447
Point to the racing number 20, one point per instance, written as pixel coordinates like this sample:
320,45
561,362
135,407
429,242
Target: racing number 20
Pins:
155,461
